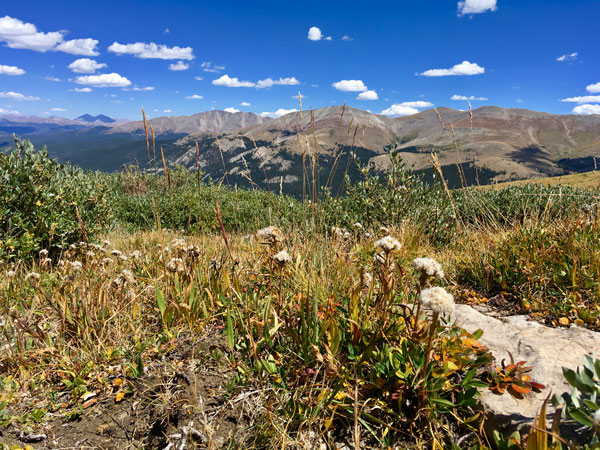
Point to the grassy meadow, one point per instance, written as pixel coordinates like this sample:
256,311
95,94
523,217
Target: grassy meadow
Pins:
146,311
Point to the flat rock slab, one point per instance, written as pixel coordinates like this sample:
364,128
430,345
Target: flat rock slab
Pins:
546,349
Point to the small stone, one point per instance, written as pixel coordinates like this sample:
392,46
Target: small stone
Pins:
563,322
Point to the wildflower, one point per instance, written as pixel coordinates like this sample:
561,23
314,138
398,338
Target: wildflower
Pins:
175,265
270,235
43,253
347,235
338,233
429,266
178,244
75,265
282,258
33,276
46,261
72,247
388,244
596,419
357,226
106,243
384,230
123,258
117,282
136,254
106,261
367,279
11,274
127,276
437,299
116,253
96,246
368,235
90,254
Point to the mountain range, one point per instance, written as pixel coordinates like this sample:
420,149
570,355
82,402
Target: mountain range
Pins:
491,144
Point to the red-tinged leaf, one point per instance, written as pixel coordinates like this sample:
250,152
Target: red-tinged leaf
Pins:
537,386
520,389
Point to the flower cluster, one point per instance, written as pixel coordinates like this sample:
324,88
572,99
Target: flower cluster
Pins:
429,267
437,299
388,244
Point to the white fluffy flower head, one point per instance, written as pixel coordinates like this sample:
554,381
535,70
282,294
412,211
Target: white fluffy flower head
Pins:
270,234
75,265
596,419
437,299
388,244
429,266
282,258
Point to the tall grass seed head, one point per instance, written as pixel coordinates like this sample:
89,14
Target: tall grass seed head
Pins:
429,266
437,299
282,258
388,244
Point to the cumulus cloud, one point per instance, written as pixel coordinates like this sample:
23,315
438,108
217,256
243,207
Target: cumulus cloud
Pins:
194,97
583,99
587,110
151,50
11,70
22,35
50,78
268,82
367,95
593,88
231,110
226,80
84,47
58,109
85,89
417,104
104,80
314,34
180,65
464,68
17,96
145,88
245,104
464,97
350,86
476,6
280,112
6,111
567,57
85,65
199,78
346,38
399,110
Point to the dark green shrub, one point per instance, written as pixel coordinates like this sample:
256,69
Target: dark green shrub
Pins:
38,200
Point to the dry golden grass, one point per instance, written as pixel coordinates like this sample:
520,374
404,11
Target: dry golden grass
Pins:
586,180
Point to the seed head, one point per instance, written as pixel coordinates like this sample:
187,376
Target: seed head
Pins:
75,265
358,226
282,258
270,235
388,244
11,274
437,299
43,253
116,253
429,267
33,276
175,265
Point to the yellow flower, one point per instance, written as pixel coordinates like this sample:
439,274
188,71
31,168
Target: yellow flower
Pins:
38,203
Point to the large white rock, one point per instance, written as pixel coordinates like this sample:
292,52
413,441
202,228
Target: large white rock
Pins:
546,349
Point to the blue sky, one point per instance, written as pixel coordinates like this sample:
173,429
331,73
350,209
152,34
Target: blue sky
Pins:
395,57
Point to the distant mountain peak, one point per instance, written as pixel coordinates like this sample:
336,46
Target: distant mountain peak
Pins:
99,118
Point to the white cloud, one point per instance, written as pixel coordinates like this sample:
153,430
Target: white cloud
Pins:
593,88
199,78
167,110
194,97
179,66
16,96
346,38
11,70
583,99
280,112
245,104
314,34
464,97
567,57
86,89
85,65
58,109
84,47
464,68
519,100
587,109
231,110
350,85
328,38
145,88
367,95
207,66
476,6
167,31
226,80
417,104
152,51
6,111
23,35
268,82
399,110
104,80
50,78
